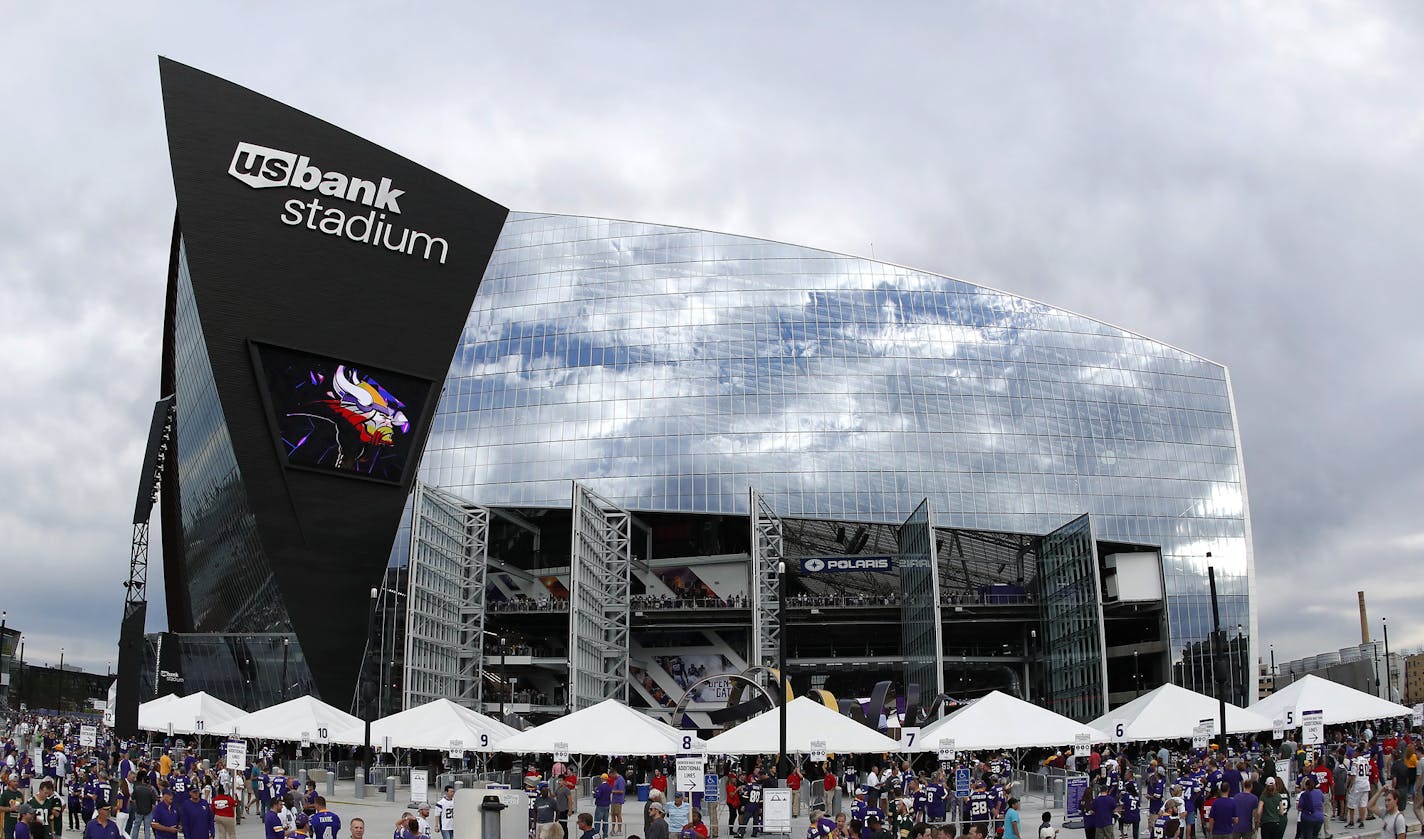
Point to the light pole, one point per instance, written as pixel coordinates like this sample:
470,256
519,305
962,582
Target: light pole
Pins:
783,761
1388,676
1136,675
59,691
286,642
1217,665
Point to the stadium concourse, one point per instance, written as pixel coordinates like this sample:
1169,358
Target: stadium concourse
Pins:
1365,764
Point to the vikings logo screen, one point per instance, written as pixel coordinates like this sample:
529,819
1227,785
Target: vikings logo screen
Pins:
342,417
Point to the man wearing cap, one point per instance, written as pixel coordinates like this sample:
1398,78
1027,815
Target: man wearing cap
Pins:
24,820
196,816
678,812
657,824
165,817
545,813
602,799
101,826
11,800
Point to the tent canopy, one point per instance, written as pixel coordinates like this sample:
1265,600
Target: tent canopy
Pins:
303,718
1170,712
185,712
608,728
806,720
431,726
1340,704
1000,721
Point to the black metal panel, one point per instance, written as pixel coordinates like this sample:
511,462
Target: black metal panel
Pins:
265,271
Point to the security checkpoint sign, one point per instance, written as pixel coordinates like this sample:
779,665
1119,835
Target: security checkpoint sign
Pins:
1073,801
1278,728
1283,771
420,785
1082,743
561,752
1419,715
237,754
457,749
689,773
818,751
1201,735
306,739
1312,727
778,810
87,736
946,749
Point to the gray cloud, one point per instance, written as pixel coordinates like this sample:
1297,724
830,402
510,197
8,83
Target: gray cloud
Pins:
1239,182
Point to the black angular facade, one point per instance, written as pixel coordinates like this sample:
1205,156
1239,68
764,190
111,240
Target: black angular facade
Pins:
317,288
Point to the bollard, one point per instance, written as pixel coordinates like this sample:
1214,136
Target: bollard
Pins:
1057,793
392,780
360,791
331,781
302,779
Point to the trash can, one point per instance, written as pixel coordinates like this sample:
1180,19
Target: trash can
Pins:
645,791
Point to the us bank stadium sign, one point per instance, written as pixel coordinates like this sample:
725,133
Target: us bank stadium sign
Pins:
842,564
261,167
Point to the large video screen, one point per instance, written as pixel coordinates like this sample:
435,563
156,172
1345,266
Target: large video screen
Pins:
335,415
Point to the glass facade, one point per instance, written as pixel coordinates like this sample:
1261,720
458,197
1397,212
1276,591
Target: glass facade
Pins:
229,581
1070,590
670,369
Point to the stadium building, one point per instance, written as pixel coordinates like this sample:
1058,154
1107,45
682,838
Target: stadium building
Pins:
422,446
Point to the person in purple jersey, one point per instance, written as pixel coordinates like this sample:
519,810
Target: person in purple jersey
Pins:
1105,807
195,816
1223,812
1131,804
820,827
1156,789
324,823
1232,776
272,827
101,826
1248,811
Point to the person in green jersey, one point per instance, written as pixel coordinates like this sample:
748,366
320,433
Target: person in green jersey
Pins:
1275,809
10,800
49,810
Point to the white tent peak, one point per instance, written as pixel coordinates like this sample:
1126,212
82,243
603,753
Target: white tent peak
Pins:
432,726
806,720
1339,703
290,719
1172,712
183,712
999,721
608,728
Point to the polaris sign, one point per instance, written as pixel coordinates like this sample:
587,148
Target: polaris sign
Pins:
841,564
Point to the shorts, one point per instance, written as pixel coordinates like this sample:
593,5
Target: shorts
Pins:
615,810
1358,796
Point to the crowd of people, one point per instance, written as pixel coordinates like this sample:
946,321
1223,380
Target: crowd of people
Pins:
115,789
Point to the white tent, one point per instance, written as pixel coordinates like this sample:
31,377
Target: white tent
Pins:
303,718
608,728
432,726
1170,712
1339,703
1000,721
806,720
196,713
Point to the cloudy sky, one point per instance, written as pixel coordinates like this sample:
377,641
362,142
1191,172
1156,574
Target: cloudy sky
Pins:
1240,180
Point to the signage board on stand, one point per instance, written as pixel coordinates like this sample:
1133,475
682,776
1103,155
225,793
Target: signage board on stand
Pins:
777,812
420,786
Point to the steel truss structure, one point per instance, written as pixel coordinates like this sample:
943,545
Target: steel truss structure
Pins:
921,640
445,602
600,568
768,551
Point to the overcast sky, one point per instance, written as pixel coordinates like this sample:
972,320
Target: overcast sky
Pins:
1240,180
